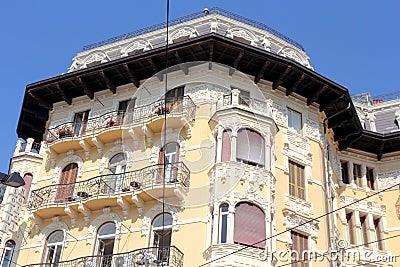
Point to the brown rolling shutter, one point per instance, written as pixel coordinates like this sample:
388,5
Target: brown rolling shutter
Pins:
28,182
249,225
67,183
250,147
299,245
161,158
226,146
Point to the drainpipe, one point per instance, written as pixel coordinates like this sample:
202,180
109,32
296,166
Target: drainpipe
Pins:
327,181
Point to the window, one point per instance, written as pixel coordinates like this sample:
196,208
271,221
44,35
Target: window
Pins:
299,249
169,156
117,168
249,225
345,172
2,192
378,233
223,223
370,178
8,252
357,174
244,97
54,246
65,189
226,145
364,231
80,122
294,120
28,182
174,94
250,148
162,234
105,243
350,228
296,180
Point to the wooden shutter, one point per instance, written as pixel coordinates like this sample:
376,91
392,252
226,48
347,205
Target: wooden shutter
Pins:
226,145
350,225
249,226
378,233
300,245
363,221
296,180
67,183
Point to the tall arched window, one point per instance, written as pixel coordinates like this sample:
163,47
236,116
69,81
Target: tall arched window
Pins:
28,182
249,225
169,156
250,148
66,186
226,145
8,253
162,233
105,243
54,246
117,168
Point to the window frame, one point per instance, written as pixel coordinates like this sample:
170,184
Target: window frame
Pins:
56,245
297,184
291,126
357,174
299,245
344,166
10,250
221,225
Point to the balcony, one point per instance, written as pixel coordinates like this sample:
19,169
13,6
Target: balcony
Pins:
178,112
106,190
28,147
152,256
239,255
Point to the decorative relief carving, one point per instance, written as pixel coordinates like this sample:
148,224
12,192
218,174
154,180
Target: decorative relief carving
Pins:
242,33
281,114
294,55
67,160
301,223
388,179
138,45
96,223
97,56
313,131
206,92
364,206
118,148
298,206
46,231
155,210
186,31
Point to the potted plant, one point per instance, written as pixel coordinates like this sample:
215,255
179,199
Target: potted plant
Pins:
64,132
162,111
110,123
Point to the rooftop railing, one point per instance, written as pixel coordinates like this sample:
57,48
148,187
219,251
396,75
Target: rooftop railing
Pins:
153,256
110,184
214,10
178,106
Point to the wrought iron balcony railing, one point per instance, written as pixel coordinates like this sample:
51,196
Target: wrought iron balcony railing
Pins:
152,256
110,184
179,107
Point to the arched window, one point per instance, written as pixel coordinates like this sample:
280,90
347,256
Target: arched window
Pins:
117,166
8,252
28,182
66,186
169,156
250,148
54,246
162,233
105,243
226,145
249,225
223,223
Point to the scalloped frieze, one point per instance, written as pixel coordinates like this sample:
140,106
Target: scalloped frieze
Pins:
293,220
294,55
242,33
46,231
313,130
388,179
280,114
137,45
188,31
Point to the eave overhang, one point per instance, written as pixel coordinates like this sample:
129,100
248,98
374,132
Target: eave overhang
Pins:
295,78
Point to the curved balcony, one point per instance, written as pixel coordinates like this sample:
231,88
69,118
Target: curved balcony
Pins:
102,191
254,105
152,256
178,112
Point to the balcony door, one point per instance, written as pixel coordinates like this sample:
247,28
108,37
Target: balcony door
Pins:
105,244
8,253
54,247
117,168
161,235
66,186
80,122
168,159
174,98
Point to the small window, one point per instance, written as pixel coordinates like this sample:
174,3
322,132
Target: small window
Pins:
80,122
370,178
350,228
162,234
294,120
345,172
296,180
299,245
364,231
105,243
357,174
223,223
8,253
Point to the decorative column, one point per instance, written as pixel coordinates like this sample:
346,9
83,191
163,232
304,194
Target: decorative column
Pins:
235,97
351,176
18,146
219,144
29,143
233,146
363,176
231,225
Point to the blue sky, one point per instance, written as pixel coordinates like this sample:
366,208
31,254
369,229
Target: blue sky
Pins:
353,43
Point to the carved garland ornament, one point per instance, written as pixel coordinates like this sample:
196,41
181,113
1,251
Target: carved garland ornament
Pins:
67,160
96,223
46,231
118,148
155,210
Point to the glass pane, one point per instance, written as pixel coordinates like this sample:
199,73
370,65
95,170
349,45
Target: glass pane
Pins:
107,229
158,221
224,223
55,237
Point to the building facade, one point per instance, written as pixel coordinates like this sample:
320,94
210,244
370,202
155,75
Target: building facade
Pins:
225,149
